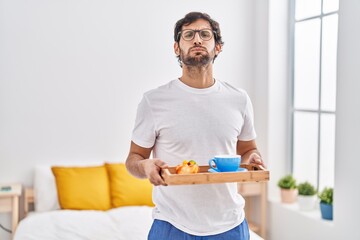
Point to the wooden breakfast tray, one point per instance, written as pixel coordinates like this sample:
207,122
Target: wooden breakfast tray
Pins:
255,173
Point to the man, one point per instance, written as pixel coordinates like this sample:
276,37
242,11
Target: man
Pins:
194,117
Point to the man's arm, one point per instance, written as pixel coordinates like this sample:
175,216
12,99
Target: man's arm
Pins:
249,152
139,164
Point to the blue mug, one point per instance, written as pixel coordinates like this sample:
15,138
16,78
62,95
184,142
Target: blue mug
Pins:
225,163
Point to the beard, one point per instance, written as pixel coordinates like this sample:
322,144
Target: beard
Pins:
200,59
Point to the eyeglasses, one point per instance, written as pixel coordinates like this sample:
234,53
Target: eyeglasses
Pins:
189,34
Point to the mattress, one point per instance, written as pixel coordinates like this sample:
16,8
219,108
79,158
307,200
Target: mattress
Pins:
124,223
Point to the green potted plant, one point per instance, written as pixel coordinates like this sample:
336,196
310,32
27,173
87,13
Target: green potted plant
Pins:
288,189
307,196
326,203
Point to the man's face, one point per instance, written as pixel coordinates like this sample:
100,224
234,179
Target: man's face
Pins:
197,52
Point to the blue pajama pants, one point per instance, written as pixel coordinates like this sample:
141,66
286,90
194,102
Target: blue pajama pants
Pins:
161,230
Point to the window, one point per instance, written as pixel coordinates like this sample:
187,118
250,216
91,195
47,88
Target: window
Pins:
314,53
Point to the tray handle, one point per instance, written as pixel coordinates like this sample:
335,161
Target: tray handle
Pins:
253,167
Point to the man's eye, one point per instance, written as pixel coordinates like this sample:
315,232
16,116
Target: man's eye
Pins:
205,34
188,34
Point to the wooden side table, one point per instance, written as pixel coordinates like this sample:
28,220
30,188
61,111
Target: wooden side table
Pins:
9,202
249,191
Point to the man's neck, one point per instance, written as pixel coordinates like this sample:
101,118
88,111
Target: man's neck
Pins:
198,77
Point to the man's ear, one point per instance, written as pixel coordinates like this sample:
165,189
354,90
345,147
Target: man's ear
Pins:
218,49
176,48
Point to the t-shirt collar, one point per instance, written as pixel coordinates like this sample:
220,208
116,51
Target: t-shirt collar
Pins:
213,88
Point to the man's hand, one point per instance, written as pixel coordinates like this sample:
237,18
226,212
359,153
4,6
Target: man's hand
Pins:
249,153
255,158
152,169
140,166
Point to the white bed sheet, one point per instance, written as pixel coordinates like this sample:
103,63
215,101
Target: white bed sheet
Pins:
124,223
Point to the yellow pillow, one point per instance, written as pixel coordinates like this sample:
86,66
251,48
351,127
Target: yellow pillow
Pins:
83,188
127,190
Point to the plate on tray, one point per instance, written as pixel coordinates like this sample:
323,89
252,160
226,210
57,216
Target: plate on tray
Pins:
254,173
211,170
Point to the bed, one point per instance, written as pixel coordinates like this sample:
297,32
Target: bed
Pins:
50,222
124,223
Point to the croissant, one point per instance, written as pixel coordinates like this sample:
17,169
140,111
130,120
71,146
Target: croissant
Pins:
187,167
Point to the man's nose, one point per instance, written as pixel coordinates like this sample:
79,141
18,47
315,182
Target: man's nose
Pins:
197,39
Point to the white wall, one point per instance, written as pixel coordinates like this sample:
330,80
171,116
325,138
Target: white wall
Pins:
287,222
260,71
347,195
72,73
278,88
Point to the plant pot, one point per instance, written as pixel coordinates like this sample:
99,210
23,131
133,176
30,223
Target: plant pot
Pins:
306,203
326,211
288,195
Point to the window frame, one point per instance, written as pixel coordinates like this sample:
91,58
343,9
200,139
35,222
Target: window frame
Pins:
292,110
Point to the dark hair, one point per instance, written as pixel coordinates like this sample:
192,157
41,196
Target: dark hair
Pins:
192,17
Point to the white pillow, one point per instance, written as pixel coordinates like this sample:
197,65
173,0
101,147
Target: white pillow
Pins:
45,192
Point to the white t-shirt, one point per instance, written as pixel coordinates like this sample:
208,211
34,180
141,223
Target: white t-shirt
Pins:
181,123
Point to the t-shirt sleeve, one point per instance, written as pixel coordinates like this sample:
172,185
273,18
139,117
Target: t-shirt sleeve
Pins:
248,130
144,133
